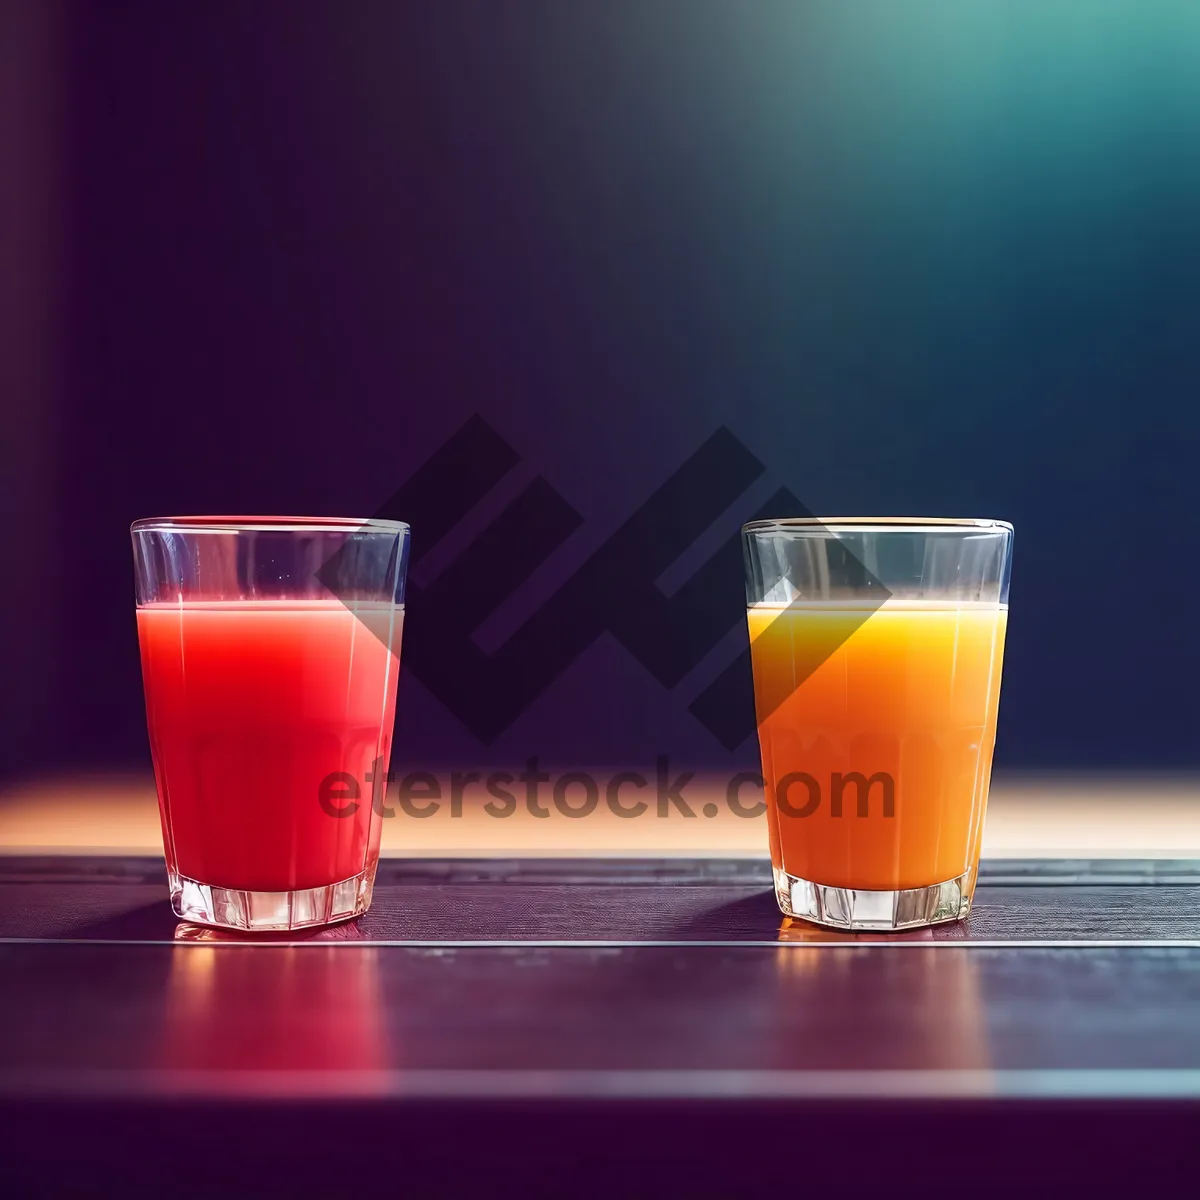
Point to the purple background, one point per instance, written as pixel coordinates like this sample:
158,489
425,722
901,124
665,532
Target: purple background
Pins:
920,259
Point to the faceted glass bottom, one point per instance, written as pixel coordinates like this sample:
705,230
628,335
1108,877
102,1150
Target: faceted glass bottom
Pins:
263,912
870,911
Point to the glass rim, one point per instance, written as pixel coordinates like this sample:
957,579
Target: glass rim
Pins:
879,525
249,524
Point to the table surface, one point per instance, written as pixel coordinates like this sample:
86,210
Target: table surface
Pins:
642,976
574,981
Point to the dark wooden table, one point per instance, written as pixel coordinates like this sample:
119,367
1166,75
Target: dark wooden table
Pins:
644,1027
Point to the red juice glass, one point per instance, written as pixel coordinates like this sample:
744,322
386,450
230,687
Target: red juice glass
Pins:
270,654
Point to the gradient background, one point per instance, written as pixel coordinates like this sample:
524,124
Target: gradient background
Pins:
921,256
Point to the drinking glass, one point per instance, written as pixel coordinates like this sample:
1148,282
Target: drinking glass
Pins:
270,652
876,646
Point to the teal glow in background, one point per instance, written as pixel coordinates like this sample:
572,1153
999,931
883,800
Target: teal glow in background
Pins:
921,257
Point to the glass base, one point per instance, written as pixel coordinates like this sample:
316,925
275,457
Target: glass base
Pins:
857,910
264,912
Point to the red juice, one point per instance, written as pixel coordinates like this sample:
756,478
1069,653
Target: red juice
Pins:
251,706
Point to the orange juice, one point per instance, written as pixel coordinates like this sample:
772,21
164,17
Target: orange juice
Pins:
877,764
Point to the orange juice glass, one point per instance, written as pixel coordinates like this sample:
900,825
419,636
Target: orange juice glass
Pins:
876,645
